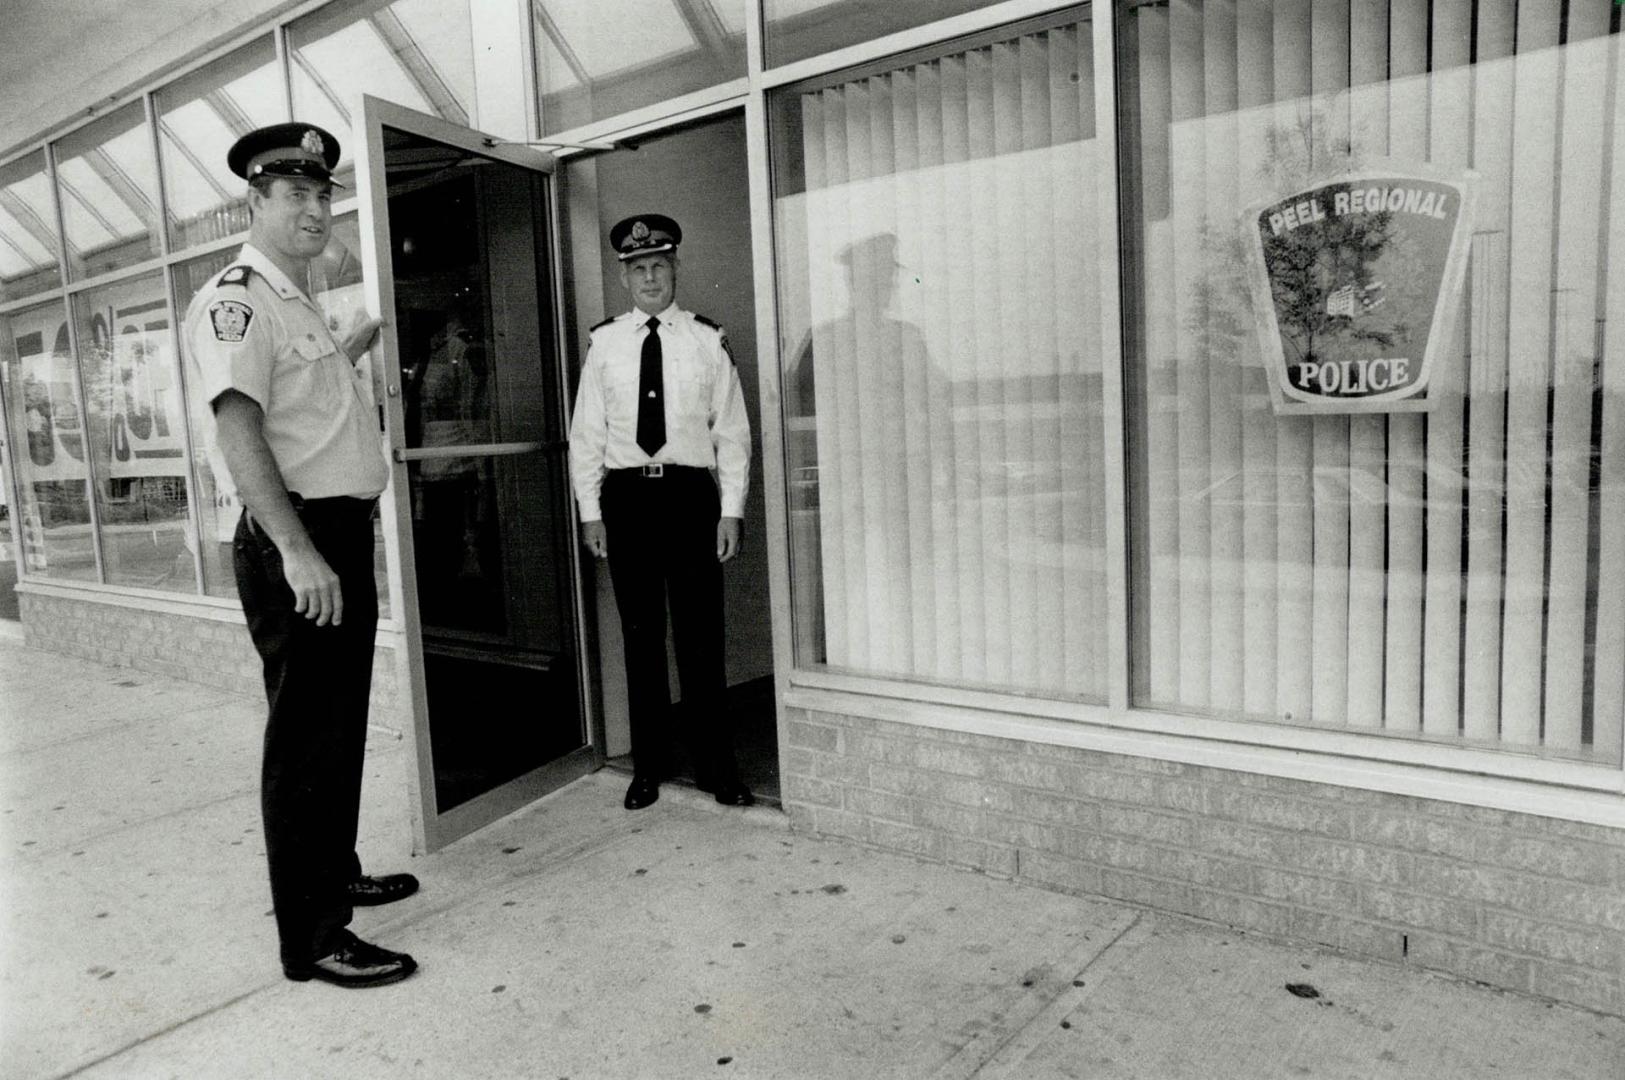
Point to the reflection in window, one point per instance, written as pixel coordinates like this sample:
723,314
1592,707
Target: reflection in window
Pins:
8,538
137,444
600,60
1443,574
797,29
941,335
199,117
53,520
28,249
109,190
417,53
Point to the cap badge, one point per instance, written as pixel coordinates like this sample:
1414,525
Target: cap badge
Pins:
311,143
640,231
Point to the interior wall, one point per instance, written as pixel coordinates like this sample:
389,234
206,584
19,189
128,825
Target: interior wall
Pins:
698,176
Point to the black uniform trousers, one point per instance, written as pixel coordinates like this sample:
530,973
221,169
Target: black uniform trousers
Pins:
317,681
662,534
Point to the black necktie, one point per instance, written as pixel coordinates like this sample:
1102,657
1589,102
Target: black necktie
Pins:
651,398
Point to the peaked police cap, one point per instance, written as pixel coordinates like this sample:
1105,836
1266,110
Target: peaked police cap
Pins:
644,234
285,150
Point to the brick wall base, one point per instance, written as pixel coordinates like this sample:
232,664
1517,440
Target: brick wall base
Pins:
202,648
1515,900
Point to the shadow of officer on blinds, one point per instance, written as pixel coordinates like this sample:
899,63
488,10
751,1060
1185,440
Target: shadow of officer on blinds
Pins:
864,381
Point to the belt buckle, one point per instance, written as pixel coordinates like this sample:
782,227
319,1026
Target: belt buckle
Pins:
654,470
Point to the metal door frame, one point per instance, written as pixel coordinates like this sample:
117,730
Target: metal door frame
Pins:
432,828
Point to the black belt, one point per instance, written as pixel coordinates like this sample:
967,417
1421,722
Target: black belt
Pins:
334,505
658,471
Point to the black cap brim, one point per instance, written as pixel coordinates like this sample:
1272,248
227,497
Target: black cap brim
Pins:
289,170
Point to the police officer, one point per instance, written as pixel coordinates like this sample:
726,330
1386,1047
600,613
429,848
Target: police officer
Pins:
294,430
659,407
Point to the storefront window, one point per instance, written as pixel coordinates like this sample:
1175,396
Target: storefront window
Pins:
109,189
797,29
28,237
199,118
53,518
941,332
417,53
608,58
8,543
1377,447
137,443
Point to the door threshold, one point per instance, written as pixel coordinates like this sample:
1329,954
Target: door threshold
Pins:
622,766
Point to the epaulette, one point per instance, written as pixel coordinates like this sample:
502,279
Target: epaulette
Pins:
599,326
712,323
235,275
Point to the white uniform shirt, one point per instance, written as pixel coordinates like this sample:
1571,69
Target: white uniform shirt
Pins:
257,332
706,424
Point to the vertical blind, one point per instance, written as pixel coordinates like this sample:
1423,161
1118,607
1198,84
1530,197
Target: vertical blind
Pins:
1445,573
939,270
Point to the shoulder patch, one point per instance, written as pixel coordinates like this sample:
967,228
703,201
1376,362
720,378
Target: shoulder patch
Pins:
230,319
599,326
703,321
236,275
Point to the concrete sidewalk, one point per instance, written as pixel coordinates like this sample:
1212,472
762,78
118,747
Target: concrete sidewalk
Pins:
577,940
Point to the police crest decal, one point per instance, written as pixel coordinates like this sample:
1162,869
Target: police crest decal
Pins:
1353,281
230,319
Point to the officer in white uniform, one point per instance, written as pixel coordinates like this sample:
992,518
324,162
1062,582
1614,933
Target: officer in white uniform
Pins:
658,411
294,431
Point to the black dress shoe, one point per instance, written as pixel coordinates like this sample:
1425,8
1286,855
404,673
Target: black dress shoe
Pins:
371,891
354,964
642,792
734,794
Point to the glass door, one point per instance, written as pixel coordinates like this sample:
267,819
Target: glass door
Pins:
461,259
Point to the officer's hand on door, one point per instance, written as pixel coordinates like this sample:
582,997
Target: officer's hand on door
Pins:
361,337
596,538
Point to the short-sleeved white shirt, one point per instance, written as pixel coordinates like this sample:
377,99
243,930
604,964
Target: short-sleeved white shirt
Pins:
254,331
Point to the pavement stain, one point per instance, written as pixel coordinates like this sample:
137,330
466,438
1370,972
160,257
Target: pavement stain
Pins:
833,890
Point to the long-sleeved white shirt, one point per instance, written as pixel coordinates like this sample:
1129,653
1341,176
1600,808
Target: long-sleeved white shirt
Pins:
706,423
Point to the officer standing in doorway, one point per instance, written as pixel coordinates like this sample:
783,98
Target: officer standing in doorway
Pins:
295,431
658,409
